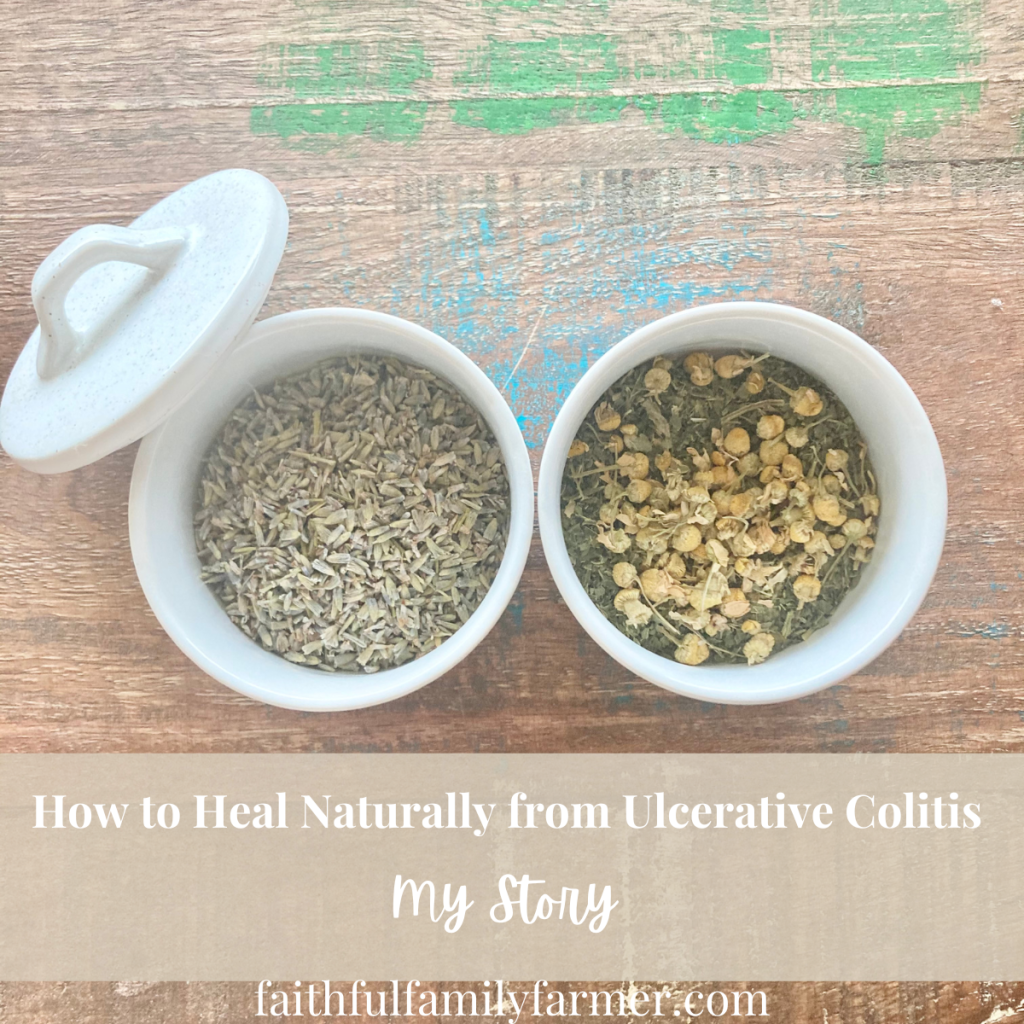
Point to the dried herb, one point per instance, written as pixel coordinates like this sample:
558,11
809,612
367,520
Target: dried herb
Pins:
352,516
718,510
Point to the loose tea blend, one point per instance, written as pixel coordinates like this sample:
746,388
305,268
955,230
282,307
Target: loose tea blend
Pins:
718,510
352,516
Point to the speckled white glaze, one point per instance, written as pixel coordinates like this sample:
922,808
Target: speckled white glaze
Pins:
131,340
164,489
911,482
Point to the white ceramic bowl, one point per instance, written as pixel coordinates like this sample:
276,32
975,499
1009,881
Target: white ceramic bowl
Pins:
163,494
911,484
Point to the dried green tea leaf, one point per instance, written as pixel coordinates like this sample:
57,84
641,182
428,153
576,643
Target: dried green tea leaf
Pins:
716,512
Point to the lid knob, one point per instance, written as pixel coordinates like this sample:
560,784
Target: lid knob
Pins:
117,349
59,342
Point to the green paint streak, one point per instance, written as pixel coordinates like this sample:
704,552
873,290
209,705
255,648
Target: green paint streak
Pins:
720,117
538,70
392,121
517,116
869,51
917,111
883,40
742,55
579,63
341,68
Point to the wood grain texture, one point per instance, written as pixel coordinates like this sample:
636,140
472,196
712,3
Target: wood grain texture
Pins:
793,1003
572,231
570,191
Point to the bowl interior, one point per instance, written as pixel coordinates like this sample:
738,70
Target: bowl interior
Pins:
911,483
163,498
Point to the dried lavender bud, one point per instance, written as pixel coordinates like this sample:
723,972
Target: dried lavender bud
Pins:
351,517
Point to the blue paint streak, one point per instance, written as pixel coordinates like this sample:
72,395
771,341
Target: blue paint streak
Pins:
994,631
515,610
604,271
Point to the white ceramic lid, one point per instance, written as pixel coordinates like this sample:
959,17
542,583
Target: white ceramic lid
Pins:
131,320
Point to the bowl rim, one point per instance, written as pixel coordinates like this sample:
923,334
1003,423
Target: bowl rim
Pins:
388,684
711,683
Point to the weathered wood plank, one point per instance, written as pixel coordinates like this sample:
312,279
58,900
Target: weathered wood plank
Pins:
498,169
578,171
795,1003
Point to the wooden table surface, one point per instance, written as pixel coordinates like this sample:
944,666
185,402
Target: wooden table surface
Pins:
533,179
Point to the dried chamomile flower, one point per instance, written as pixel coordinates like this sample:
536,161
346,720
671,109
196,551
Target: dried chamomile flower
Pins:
836,459
700,367
729,527
635,465
732,366
615,540
743,545
758,647
797,437
657,585
631,605
606,417
801,531
676,565
819,544
762,537
855,529
776,491
806,402
827,509
730,511
652,539
709,592
754,384
686,538
742,504
666,463
749,464
717,551
773,452
722,476
624,574
791,468
807,588
769,427
692,651
737,442
639,491
657,380
735,605
578,447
